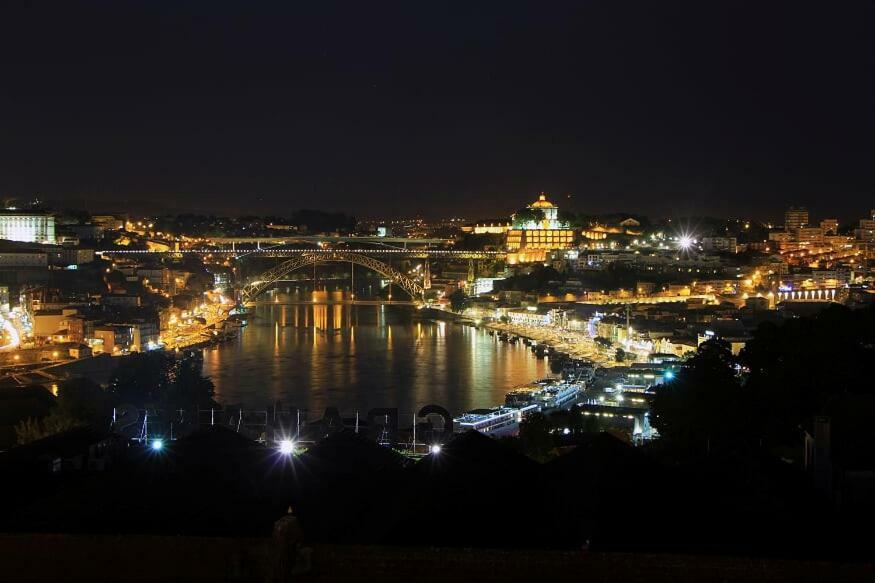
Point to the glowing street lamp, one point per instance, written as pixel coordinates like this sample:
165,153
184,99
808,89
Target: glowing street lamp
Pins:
685,242
287,447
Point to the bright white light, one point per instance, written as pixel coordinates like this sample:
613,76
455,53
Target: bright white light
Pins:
12,332
685,242
287,447
566,431
435,449
157,444
669,375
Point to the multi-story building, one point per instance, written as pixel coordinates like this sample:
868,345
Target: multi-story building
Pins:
830,277
488,227
109,222
29,227
545,234
795,218
830,226
47,323
724,244
126,337
23,258
866,230
780,237
808,236
79,328
76,256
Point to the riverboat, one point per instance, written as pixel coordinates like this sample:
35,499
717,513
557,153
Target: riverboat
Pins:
545,395
495,422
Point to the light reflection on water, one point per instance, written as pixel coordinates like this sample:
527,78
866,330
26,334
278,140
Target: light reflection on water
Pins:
360,357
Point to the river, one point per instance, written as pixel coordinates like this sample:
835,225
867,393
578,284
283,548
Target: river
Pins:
360,357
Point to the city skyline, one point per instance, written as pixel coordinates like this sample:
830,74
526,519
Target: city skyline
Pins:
704,110
437,291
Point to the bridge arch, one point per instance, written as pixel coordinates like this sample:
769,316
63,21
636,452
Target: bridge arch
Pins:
408,284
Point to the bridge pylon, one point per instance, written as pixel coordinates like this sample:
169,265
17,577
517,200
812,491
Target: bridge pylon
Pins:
426,276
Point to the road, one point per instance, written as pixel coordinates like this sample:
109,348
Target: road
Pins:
576,344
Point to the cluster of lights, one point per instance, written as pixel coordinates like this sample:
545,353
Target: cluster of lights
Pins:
444,252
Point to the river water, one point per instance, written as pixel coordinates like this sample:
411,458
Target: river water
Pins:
360,357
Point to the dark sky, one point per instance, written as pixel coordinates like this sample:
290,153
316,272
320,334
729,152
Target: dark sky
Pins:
439,108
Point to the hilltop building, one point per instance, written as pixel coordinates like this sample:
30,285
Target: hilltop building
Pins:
538,231
27,227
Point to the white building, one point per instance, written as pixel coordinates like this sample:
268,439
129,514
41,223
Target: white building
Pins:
29,227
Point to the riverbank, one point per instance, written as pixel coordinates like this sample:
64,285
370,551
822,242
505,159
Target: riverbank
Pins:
206,334
576,344
573,343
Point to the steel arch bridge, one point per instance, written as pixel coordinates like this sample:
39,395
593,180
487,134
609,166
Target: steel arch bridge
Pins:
252,290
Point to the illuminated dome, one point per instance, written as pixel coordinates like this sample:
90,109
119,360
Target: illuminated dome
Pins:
549,210
542,203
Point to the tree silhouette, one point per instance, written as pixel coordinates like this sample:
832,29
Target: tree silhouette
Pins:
535,438
527,215
702,408
459,301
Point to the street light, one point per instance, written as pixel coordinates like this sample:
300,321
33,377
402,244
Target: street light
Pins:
685,242
287,447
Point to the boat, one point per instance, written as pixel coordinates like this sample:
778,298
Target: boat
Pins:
578,371
496,422
241,310
547,395
236,320
562,395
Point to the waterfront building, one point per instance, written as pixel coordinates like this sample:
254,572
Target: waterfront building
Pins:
126,337
533,318
28,227
47,323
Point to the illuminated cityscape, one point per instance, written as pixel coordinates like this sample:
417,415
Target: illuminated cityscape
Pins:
295,296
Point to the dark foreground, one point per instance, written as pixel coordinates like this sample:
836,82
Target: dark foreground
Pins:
207,507
153,558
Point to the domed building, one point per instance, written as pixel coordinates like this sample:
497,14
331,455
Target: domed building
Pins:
550,211
537,231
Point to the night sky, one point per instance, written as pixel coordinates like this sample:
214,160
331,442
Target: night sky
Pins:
439,108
